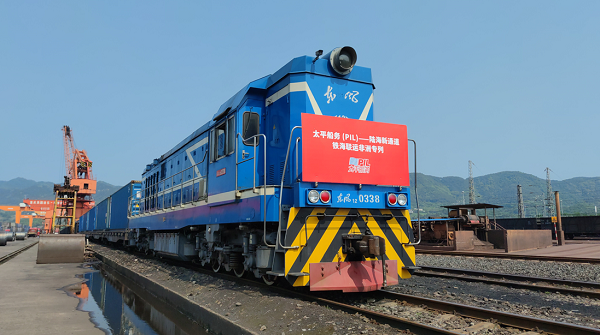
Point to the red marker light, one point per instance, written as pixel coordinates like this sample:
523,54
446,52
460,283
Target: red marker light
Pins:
325,197
392,199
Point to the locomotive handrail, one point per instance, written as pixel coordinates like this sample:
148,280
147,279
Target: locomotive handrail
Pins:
281,190
297,140
254,137
151,193
416,195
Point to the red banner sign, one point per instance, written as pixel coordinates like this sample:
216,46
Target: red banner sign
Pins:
348,151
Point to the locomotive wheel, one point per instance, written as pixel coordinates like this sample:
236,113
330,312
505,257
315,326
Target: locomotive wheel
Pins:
239,272
269,279
216,265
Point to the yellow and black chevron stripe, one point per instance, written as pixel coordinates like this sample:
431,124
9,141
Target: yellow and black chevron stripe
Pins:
320,239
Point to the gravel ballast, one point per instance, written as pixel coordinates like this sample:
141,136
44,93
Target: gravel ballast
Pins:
545,305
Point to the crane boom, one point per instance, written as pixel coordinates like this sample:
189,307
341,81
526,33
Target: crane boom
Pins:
77,162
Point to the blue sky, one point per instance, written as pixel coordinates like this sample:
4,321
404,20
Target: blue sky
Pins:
510,85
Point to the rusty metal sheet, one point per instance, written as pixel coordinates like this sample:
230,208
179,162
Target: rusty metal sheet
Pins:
354,276
61,248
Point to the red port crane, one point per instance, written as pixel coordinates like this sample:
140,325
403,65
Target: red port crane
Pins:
74,197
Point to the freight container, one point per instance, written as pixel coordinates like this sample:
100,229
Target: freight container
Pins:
87,221
92,219
83,223
102,214
119,205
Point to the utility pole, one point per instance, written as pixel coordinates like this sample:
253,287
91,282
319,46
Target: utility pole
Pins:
560,234
549,208
471,184
521,206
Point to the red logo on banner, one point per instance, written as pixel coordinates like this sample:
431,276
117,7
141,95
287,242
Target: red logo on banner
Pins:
348,151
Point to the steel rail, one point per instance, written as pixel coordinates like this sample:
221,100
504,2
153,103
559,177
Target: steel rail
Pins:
515,281
13,254
566,282
503,318
393,321
510,256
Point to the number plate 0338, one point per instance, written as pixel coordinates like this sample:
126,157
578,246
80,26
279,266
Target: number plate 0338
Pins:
357,199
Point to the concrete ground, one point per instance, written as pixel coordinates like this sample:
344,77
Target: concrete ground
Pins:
15,245
32,299
579,250
572,248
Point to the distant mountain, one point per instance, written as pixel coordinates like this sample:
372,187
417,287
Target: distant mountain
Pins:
13,192
578,195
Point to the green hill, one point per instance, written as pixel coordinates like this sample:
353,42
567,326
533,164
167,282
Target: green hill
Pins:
578,195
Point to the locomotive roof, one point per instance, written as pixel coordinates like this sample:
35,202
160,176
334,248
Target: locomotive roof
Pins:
232,103
303,64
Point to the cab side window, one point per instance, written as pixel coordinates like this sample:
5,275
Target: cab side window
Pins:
251,127
223,138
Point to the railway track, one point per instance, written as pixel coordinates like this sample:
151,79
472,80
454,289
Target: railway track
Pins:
11,255
502,318
511,256
576,288
471,312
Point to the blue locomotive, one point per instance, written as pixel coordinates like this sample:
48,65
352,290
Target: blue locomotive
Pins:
291,179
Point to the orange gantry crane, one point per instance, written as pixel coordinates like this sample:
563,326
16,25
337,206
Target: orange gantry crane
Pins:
42,208
28,210
19,209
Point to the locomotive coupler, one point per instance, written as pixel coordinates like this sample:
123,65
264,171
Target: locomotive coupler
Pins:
367,245
357,246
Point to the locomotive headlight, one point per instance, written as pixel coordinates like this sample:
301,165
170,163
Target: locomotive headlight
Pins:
402,200
342,60
313,196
